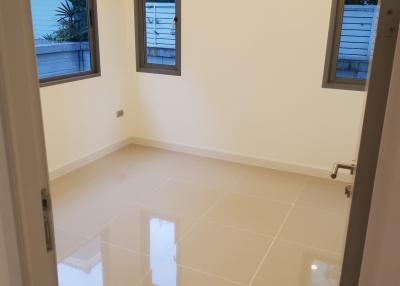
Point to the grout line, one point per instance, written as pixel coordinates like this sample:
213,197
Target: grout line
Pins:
333,212
197,220
238,193
275,238
310,247
140,282
123,248
87,239
208,210
210,274
169,179
236,228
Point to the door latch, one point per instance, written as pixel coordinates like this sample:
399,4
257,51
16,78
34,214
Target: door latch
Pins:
351,167
48,228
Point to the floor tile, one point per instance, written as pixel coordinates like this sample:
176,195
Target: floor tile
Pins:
137,228
179,276
292,265
211,173
249,213
325,194
99,264
86,215
133,188
155,162
316,228
222,251
182,197
144,216
271,184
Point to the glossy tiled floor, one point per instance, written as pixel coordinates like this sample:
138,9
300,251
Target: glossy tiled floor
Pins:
145,217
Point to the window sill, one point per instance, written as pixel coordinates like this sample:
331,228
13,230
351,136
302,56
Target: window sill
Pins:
67,79
344,86
162,71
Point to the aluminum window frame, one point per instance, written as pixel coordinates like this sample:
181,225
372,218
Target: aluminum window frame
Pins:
335,29
141,63
94,52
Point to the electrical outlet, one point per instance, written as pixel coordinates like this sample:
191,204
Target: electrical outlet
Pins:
120,113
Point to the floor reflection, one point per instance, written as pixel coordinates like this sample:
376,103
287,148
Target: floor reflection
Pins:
324,273
82,268
96,263
163,252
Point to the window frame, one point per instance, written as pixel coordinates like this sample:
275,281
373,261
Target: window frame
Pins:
141,65
335,29
94,52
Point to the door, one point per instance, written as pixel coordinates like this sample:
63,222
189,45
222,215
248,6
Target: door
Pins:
23,154
10,274
381,255
360,192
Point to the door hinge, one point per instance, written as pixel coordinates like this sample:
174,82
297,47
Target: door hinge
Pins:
47,221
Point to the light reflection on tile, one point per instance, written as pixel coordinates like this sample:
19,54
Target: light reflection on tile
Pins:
82,267
292,265
99,264
163,252
131,230
72,276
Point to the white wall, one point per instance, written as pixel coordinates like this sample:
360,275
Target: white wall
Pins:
251,86
80,117
382,252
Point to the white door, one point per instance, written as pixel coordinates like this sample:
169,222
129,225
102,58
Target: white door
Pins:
22,155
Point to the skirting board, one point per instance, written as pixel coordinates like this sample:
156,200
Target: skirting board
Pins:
209,153
72,166
241,159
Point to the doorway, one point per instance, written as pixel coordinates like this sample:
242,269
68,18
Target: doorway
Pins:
184,204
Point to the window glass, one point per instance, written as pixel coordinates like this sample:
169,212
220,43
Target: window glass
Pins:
356,39
61,33
160,32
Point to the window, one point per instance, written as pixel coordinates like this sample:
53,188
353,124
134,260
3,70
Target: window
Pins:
350,44
158,33
65,33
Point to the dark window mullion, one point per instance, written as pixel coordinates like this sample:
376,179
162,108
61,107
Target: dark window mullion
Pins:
353,58
162,52
47,42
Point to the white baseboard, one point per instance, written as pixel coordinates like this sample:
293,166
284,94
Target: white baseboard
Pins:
72,166
193,150
238,158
